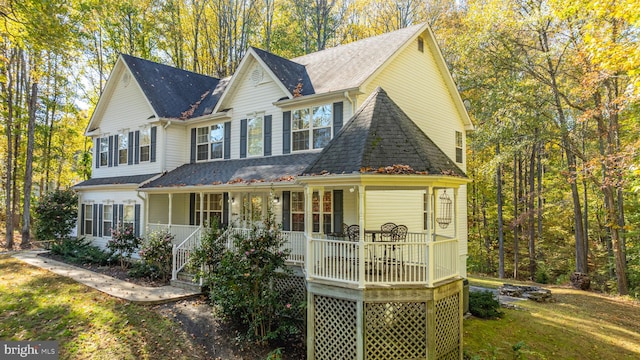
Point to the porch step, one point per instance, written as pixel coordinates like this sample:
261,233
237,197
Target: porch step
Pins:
185,281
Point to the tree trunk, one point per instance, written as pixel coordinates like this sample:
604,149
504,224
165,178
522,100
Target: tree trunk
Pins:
530,210
28,173
8,90
500,222
516,245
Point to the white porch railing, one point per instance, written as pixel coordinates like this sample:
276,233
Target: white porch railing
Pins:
179,232
182,251
294,240
416,261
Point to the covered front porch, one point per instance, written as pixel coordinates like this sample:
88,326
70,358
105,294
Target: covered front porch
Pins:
315,218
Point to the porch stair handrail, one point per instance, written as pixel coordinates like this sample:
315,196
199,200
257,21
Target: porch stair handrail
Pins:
180,252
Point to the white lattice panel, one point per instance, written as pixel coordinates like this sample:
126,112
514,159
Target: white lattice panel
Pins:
395,330
335,328
448,327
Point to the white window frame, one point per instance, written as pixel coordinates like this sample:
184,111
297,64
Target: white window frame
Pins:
104,151
129,216
212,207
123,149
88,219
205,138
459,148
145,145
310,122
255,136
297,210
107,218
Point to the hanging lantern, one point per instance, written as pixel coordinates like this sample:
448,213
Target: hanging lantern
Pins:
444,215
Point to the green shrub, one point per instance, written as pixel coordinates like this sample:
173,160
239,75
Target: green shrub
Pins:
55,215
141,269
156,252
80,251
244,283
207,257
123,243
483,304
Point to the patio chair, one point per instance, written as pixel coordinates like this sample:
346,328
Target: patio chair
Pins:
398,234
385,231
353,233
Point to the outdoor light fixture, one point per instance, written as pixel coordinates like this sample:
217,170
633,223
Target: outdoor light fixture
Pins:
444,215
276,200
233,200
352,189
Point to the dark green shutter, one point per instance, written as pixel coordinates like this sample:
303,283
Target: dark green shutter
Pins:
227,140
337,117
152,150
120,214
81,232
113,150
225,209
136,221
286,210
192,208
136,147
100,220
97,153
267,135
286,132
243,138
338,217
193,146
95,221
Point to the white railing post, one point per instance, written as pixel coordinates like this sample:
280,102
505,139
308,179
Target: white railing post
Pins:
174,272
431,262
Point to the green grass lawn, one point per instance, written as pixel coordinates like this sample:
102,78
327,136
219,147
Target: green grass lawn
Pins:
38,305
577,325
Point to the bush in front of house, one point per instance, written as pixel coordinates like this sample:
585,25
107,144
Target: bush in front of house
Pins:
80,251
244,283
156,255
123,243
205,259
55,215
483,304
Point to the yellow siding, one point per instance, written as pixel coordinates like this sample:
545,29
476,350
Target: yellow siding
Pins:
400,207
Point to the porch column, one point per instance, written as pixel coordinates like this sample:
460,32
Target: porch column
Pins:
308,230
431,237
455,213
321,205
170,209
201,209
361,218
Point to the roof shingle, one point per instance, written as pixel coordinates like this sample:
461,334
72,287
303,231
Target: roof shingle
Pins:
378,136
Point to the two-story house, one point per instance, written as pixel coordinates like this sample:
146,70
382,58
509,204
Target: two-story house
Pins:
357,149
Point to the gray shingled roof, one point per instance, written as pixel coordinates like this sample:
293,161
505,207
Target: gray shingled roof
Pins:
381,135
117,180
267,169
171,91
288,72
348,66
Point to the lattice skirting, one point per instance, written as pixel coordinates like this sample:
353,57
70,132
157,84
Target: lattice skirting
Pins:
335,328
448,331
396,330
293,290
385,325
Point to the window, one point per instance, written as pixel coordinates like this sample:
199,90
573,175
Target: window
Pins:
425,210
297,211
209,142
321,219
123,149
128,216
420,45
88,219
104,151
252,208
254,136
458,147
107,220
311,127
211,208
145,144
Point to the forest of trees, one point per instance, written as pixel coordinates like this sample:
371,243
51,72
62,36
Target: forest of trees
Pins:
552,86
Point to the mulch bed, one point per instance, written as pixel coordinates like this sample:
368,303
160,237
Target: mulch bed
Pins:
115,271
